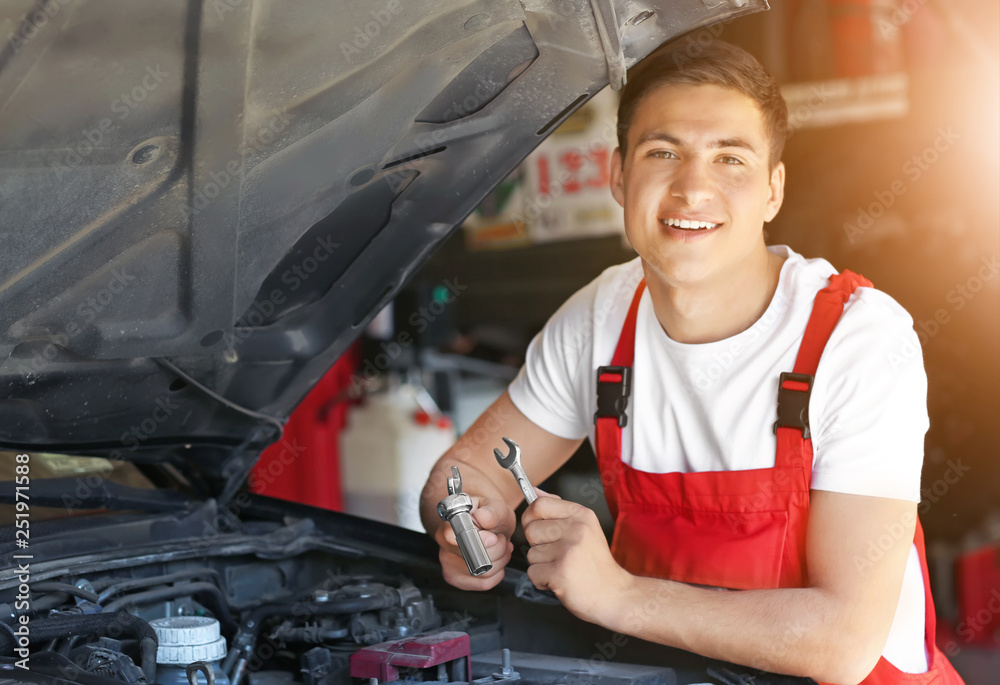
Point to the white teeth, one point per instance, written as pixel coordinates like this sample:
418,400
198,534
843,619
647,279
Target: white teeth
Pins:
684,223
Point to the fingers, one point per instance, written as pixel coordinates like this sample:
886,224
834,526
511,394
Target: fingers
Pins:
497,545
544,553
490,515
456,572
542,531
542,493
493,515
539,575
550,507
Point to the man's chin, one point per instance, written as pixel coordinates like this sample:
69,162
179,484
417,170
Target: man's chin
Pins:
677,271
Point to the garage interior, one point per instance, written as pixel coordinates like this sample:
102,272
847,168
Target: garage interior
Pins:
892,172
211,206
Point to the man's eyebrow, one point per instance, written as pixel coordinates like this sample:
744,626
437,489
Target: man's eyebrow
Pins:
659,136
673,140
733,142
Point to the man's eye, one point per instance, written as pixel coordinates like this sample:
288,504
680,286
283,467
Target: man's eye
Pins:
728,159
663,154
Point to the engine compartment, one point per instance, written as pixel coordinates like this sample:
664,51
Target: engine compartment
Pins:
295,599
284,621
305,633
292,594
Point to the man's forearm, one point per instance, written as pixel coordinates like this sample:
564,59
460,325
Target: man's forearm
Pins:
799,632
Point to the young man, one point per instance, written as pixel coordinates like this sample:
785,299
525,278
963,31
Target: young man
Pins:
812,517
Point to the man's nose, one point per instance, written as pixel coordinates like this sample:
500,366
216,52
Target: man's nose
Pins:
692,183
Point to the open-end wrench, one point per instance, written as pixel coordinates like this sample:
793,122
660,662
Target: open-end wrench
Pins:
455,510
512,462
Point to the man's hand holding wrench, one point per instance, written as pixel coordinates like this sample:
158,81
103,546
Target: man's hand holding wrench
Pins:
458,509
569,554
495,496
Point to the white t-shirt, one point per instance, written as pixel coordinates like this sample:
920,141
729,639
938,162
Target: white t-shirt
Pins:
711,406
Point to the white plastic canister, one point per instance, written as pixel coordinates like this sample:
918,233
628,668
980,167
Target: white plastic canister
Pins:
184,640
387,451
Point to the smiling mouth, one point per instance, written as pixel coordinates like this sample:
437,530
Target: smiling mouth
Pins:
687,225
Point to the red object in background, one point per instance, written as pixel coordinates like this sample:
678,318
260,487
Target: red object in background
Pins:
304,466
865,37
384,660
977,579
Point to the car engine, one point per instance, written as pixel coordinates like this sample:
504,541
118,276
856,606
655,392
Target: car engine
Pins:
275,599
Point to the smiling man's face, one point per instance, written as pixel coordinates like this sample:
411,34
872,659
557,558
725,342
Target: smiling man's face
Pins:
695,183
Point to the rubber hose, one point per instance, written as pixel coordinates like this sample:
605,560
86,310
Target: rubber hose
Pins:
122,585
52,586
251,625
217,604
352,605
48,601
147,652
45,629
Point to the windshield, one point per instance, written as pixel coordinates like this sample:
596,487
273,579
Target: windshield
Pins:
86,473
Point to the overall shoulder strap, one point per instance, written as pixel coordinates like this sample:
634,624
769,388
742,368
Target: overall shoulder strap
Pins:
794,388
614,387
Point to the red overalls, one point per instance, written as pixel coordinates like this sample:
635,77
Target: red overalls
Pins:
734,529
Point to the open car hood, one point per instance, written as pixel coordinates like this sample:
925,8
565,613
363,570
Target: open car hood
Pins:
203,203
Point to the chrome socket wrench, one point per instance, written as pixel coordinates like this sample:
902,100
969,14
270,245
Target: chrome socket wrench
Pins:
455,510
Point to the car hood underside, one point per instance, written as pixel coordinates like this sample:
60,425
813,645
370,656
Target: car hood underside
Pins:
204,202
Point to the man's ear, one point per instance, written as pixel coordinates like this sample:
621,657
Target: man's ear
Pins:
617,180
777,187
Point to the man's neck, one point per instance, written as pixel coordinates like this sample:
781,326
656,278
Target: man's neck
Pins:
708,312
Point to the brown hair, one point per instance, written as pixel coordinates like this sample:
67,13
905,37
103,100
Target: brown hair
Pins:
693,61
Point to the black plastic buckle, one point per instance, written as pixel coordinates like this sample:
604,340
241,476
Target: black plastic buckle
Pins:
612,395
793,404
